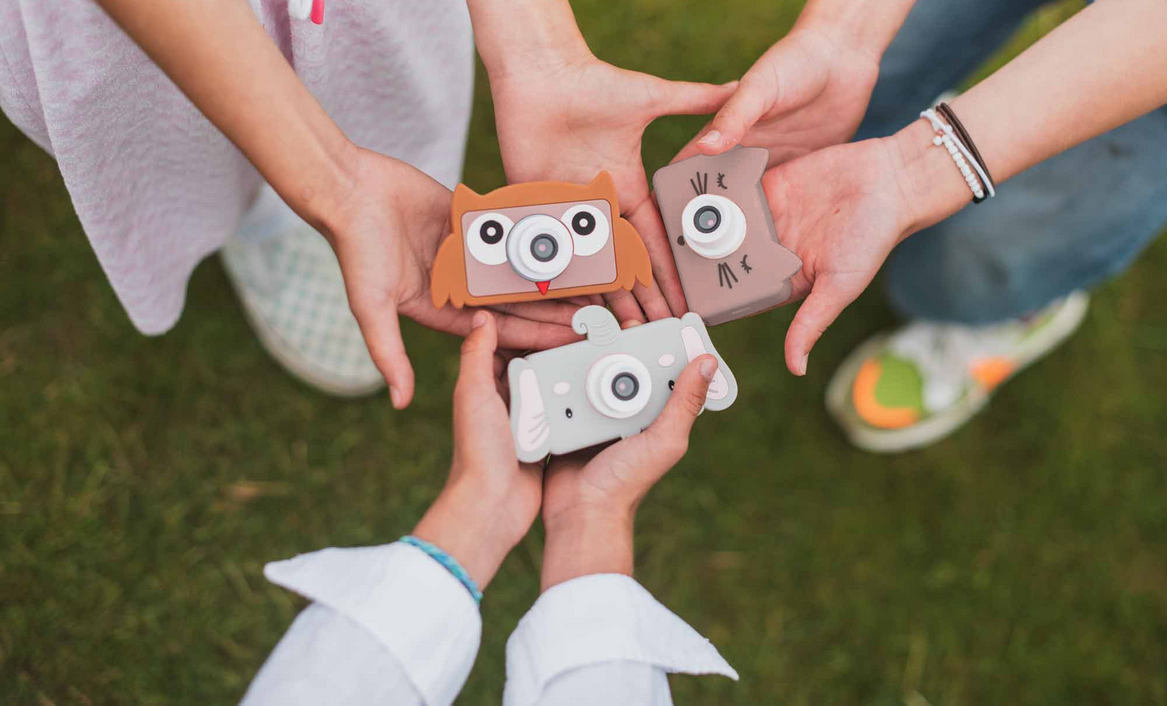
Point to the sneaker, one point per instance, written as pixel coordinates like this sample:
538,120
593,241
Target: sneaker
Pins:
289,283
915,386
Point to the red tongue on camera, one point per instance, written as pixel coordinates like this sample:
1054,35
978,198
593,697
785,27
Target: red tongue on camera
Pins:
543,287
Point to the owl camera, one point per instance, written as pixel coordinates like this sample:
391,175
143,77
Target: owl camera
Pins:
538,240
610,386
723,238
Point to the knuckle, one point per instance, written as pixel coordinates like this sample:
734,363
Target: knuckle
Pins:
694,401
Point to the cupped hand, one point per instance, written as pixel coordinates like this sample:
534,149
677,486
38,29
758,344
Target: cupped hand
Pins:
808,91
842,210
590,498
386,232
490,499
568,118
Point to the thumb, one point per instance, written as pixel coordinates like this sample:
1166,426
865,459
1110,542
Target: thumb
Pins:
685,97
669,433
818,311
748,104
383,337
476,372
778,82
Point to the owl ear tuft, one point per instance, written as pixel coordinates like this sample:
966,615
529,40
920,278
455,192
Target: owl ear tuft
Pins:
464,199
603,184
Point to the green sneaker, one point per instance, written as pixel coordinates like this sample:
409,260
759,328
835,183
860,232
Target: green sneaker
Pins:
290,287
914,386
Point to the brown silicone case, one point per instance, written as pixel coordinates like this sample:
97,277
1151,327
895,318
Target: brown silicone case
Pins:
487,270
749,279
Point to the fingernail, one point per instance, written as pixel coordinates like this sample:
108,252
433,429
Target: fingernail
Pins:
712,137
395,397
730,84
707,368
803,365
480,319
630,323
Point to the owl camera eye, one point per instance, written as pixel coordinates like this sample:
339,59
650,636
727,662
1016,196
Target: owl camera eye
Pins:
589,228
491,231
619,386
714,226
583,223
485,238
539,248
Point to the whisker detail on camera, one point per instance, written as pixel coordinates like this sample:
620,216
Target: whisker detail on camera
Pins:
700,185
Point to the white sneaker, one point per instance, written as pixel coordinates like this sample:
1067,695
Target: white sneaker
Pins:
289,282
914,386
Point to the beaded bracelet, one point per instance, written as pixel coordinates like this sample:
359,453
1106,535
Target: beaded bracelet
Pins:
946,112
973,173
447,561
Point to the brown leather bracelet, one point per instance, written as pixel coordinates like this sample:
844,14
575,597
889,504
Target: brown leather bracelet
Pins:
946,111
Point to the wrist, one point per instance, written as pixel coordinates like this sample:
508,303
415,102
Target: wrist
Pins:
584,543
931,187
517,38
864,25
326,186
472,527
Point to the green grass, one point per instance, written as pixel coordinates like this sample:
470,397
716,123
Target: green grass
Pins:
144,482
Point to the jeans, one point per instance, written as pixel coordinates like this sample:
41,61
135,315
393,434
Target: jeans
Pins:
1062,225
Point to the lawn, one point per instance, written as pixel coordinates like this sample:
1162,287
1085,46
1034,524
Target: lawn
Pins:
144,482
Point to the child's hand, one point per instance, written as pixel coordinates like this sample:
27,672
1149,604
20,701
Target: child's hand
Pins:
590,498
807,92
568,118
386,233
843,209
490,499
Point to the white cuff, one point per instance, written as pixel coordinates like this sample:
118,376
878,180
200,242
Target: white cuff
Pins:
408,601
600,618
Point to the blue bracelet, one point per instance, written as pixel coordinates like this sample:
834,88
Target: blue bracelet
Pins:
447,561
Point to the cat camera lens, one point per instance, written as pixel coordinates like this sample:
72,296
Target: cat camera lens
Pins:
625,387
707,219
713,226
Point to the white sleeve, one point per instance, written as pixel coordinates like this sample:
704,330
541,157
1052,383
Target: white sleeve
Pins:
388,624
602,639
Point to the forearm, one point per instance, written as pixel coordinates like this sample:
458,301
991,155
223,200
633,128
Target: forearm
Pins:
866,24
471,525
582,545
218,54
512,34
1098,70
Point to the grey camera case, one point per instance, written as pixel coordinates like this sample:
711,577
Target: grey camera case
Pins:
610,386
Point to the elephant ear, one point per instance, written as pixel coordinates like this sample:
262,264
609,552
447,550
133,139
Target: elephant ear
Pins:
696,340
529,424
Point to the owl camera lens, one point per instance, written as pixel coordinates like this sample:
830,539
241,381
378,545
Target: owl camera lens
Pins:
539,247
544,247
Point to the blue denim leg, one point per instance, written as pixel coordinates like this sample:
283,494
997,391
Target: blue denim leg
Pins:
939,45
1062,225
